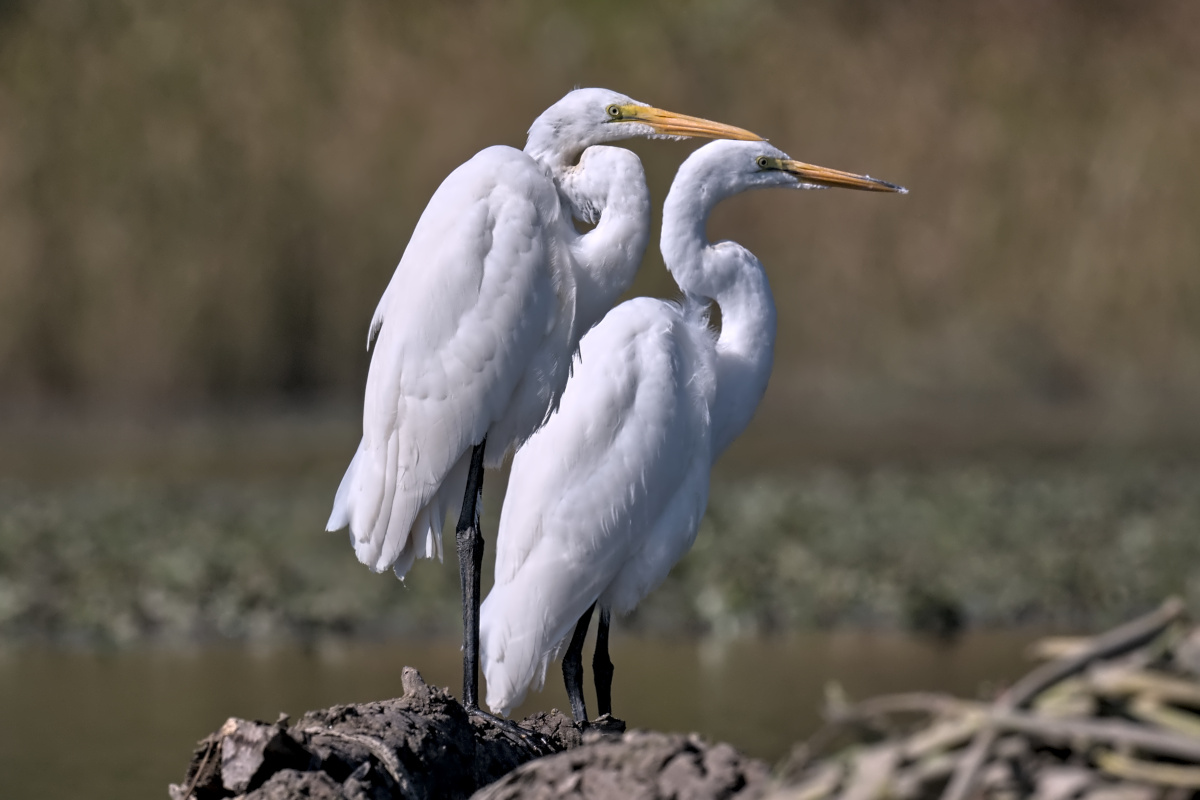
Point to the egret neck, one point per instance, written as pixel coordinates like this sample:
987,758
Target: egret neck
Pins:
608,189
730,275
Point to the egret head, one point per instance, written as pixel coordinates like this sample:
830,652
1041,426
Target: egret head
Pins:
729,167
587,117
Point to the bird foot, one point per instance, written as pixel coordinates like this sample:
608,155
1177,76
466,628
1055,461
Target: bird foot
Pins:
512,729
605,726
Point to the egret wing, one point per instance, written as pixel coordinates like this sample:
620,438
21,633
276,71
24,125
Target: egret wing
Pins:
588,489
471,301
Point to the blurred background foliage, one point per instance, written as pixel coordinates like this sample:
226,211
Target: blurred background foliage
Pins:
200,204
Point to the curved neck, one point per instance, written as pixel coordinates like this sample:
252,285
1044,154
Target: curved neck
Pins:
608,188
730,275
546,149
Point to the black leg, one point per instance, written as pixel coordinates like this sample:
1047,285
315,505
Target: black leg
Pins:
573,667
602,667
469,543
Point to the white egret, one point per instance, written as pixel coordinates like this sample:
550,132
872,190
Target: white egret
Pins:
606,497
474,335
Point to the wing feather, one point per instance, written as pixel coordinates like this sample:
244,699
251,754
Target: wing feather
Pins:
464,314
589,488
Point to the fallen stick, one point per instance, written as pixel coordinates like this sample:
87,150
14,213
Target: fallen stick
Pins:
1111,732
1129,636
1114,732
1134,769
1121,640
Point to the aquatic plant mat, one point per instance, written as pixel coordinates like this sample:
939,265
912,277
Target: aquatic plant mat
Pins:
1110,717
1070,544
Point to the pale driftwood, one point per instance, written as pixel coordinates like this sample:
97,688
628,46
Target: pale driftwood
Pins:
1115,681
1120,640
963,718
1068,729
905,703
1153,709
1116,642
1063,783
874,770
1109,732
1149,772
841,715
824,781
943,735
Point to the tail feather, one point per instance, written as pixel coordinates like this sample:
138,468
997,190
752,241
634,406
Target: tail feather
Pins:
386,530
370,522
340,516
511,653
522,627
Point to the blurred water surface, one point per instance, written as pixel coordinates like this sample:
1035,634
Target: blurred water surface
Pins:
115,725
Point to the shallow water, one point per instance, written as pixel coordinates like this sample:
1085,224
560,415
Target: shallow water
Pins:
123,724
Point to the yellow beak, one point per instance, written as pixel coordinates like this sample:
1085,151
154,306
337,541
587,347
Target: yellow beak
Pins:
824,176
668,123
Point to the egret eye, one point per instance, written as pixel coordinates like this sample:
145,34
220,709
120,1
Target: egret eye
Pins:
614,111
763,162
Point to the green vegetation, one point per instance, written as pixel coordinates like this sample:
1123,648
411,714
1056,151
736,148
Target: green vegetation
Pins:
1051,543
119,562
1066,544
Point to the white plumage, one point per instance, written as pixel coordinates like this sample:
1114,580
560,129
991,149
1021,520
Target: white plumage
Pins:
475,333
483,296
607,496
